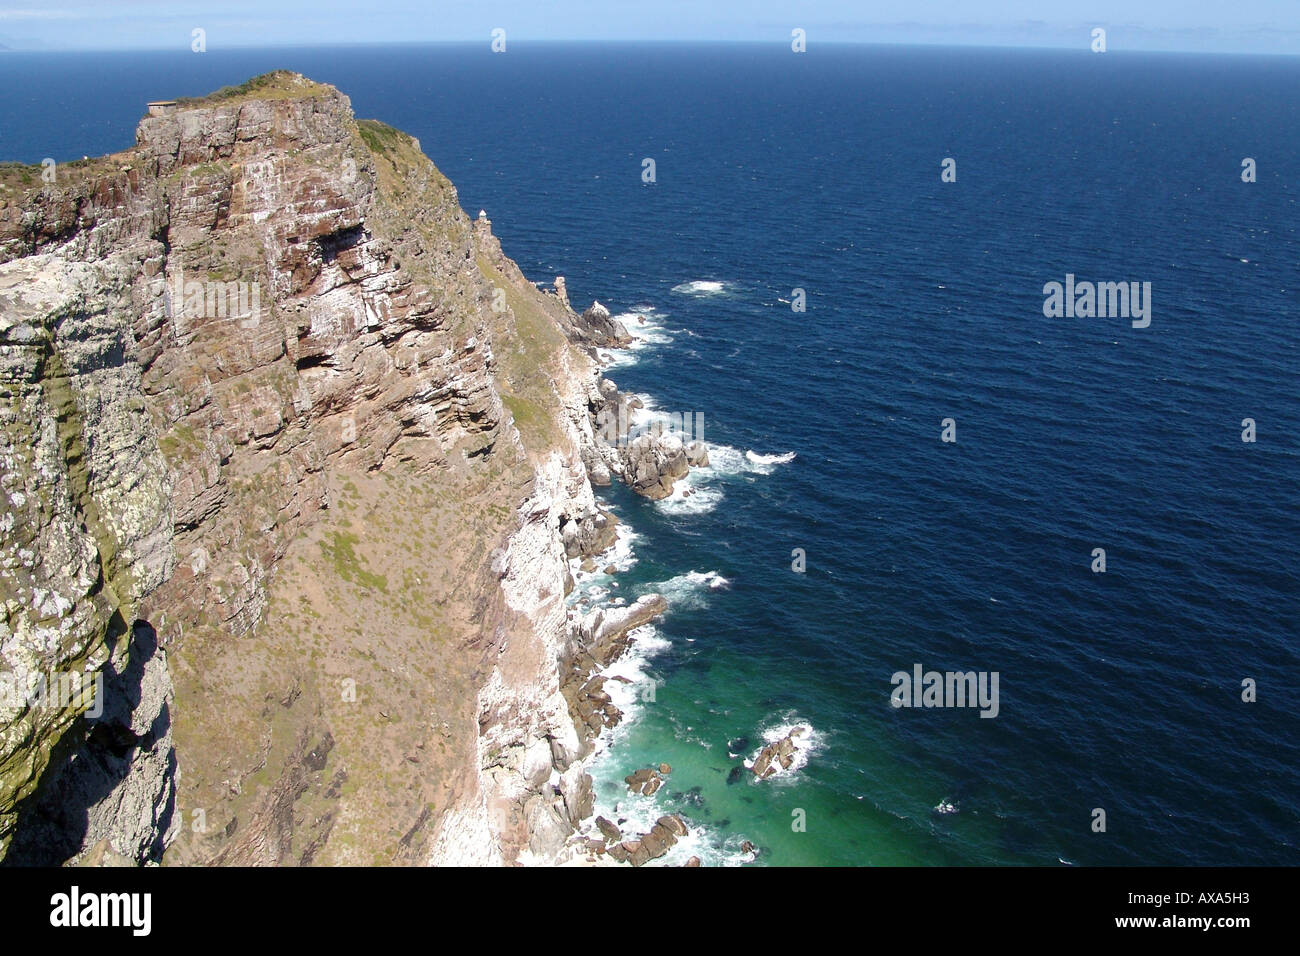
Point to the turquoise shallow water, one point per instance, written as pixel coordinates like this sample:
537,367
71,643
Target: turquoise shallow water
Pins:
1119,691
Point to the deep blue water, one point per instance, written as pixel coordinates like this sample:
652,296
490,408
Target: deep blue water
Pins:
1120,690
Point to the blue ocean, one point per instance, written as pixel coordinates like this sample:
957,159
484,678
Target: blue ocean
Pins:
815,179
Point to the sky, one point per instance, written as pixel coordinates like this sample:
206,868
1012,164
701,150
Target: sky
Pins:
1258,26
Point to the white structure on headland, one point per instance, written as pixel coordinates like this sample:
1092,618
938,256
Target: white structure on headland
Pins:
482,213
161,107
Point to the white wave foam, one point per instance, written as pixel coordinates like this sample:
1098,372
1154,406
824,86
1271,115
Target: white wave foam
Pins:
691,495
646,328
595,585
701,287
645,325
618,358
640,813
635,814
698,493
726,460
709,845
633,667
763,463
647,414
691,589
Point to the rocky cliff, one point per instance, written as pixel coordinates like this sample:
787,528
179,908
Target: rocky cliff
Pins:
294,460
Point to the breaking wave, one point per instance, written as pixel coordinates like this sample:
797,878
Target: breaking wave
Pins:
692,495
701,287
691,589
764,461
645,325
726,460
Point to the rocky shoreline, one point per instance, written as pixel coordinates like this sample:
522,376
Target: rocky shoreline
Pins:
650,464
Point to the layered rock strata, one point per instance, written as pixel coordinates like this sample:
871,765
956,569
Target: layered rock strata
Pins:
294,458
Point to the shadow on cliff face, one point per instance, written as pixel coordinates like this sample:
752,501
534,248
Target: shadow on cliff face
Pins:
106,770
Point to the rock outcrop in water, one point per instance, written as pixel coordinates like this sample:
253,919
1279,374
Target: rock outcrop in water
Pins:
780,754
596,328
651,457
638,851
296,457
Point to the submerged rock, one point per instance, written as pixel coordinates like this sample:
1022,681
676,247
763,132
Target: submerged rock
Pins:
645,781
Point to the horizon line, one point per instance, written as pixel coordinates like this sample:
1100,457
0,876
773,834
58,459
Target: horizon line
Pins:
361,44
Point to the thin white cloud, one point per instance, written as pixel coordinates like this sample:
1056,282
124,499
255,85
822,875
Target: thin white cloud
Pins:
41,15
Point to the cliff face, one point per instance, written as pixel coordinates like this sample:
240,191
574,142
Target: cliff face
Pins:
295,456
